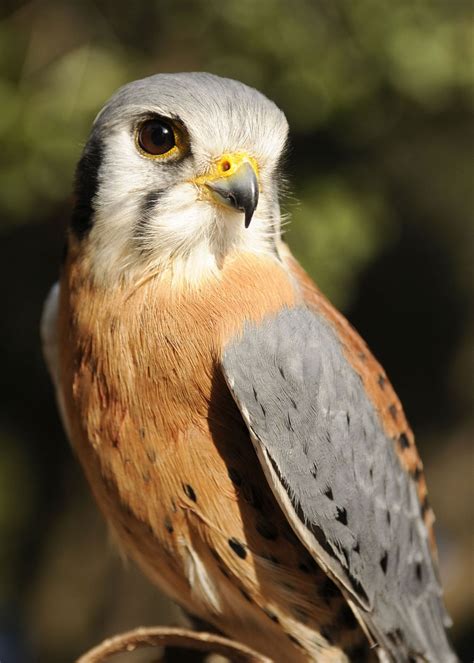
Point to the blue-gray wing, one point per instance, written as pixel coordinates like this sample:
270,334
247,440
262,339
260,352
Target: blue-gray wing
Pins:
338,478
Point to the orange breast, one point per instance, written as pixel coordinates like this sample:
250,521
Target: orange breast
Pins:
169,459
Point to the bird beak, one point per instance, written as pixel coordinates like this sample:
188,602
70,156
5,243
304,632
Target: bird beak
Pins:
233,183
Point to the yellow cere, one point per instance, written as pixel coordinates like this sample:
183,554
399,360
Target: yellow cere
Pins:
225,166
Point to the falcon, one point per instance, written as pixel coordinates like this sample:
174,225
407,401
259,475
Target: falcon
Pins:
246,449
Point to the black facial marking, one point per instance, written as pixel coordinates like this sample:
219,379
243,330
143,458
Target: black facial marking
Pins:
341,515
168,525
237,547
150,200
382,379
190,492
267,529
86,186
393,411
314,471
384,562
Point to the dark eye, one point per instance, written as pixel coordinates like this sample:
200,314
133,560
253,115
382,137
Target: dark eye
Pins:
156,137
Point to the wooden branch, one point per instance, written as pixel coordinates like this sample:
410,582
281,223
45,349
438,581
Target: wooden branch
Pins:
171,637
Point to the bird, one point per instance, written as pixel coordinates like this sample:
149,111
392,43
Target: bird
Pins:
245,447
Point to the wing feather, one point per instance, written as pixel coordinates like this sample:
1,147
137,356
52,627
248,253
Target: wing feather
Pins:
337,477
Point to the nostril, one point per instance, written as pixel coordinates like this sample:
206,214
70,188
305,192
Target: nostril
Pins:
225,165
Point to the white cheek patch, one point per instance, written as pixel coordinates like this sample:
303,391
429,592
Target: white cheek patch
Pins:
150,217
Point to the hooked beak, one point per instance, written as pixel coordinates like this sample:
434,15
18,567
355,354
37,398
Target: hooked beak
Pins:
234,184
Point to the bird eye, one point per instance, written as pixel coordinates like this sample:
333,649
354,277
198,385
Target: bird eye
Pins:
156,137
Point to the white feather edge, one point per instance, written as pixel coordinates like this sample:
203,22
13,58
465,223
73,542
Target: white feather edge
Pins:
50,346
305,536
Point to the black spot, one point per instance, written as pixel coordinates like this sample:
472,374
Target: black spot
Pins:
234,476
356,548
328,493
189,492
393,411
223,571
404,441
290,536
384,562
419,571
348,418
263,409
271,615
326,633
255,394
168,525
238,548
417,474
358,588
253,496
86,186
329,589
358,653
281,372
314,471
425,505
300,613
382,380
347,618
245,594
267,529
388,515
302,567
151,455
341,515
371,473
293,403
294,640
288,424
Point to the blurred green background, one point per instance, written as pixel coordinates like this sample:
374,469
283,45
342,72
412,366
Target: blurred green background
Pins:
378,94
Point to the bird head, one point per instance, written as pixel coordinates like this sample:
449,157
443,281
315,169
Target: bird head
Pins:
179,172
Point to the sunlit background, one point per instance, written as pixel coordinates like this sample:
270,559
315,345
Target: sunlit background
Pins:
378,94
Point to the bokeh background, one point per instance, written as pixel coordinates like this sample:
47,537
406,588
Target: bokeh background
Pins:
379,96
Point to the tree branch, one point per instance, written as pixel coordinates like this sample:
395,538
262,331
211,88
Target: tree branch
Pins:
175,637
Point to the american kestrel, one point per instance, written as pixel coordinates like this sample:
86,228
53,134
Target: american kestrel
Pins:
245,447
